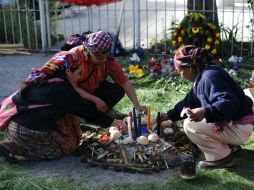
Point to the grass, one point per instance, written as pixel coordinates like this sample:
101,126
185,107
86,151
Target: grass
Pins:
161,95
12,177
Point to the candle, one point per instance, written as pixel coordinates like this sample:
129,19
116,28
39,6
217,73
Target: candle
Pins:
135,122
159,124
139,124
129,127
148,119
130,115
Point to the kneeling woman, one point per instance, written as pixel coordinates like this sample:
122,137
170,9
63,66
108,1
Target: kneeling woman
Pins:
52,130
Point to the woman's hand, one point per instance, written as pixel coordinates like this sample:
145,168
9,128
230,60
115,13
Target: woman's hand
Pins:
101,105
141,109
120,125
197,114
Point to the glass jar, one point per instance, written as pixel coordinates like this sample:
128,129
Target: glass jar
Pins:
188,166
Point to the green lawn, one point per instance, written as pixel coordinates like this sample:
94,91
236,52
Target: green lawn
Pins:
161,95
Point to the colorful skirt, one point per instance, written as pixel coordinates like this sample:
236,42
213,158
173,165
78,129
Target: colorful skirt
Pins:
28,144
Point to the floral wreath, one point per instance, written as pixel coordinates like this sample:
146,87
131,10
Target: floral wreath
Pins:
194,29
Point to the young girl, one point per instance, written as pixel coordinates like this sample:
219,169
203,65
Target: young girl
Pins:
217,110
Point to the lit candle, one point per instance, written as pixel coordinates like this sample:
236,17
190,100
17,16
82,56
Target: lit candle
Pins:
135,122
148,119
129,127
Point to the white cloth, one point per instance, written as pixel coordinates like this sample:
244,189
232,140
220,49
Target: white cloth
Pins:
215,145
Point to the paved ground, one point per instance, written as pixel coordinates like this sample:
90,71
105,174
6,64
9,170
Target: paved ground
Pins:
13,70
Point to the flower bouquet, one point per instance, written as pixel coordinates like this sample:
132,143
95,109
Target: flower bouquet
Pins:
194,29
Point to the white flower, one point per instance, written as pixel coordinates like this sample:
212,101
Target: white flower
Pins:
231,59
232,72
235,59
240,59
135,57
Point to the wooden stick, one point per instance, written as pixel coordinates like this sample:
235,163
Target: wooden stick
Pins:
6,53
11,45
124,156
124,166
10,52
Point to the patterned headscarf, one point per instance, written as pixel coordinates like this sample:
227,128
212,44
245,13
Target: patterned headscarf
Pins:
59,62
98,41
184,56
191,55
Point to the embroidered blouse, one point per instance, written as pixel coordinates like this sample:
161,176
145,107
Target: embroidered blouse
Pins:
93,75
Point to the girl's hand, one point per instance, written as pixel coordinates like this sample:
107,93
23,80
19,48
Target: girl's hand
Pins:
142,109
197,114
101,105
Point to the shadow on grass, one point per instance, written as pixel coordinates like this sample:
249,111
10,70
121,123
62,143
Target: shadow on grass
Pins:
203,181
244,160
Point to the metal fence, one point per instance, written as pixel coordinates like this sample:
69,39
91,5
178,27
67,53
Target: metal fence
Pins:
45,25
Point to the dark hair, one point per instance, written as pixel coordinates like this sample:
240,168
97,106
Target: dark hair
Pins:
74,69
43,80
201,58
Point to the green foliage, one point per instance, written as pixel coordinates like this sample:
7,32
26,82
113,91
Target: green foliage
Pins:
229,39
251,2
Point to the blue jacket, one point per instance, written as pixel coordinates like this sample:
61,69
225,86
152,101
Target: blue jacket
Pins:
220,96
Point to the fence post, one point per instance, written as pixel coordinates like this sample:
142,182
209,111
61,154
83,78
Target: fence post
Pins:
43,27
48,24
137,23
90,18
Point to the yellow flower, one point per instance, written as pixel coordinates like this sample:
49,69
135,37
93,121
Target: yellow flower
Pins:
209,39
195,30
174,33
182,32
207,46
217,42
178,26
173,42
217,35
179,39
140,73
133,69
214,51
